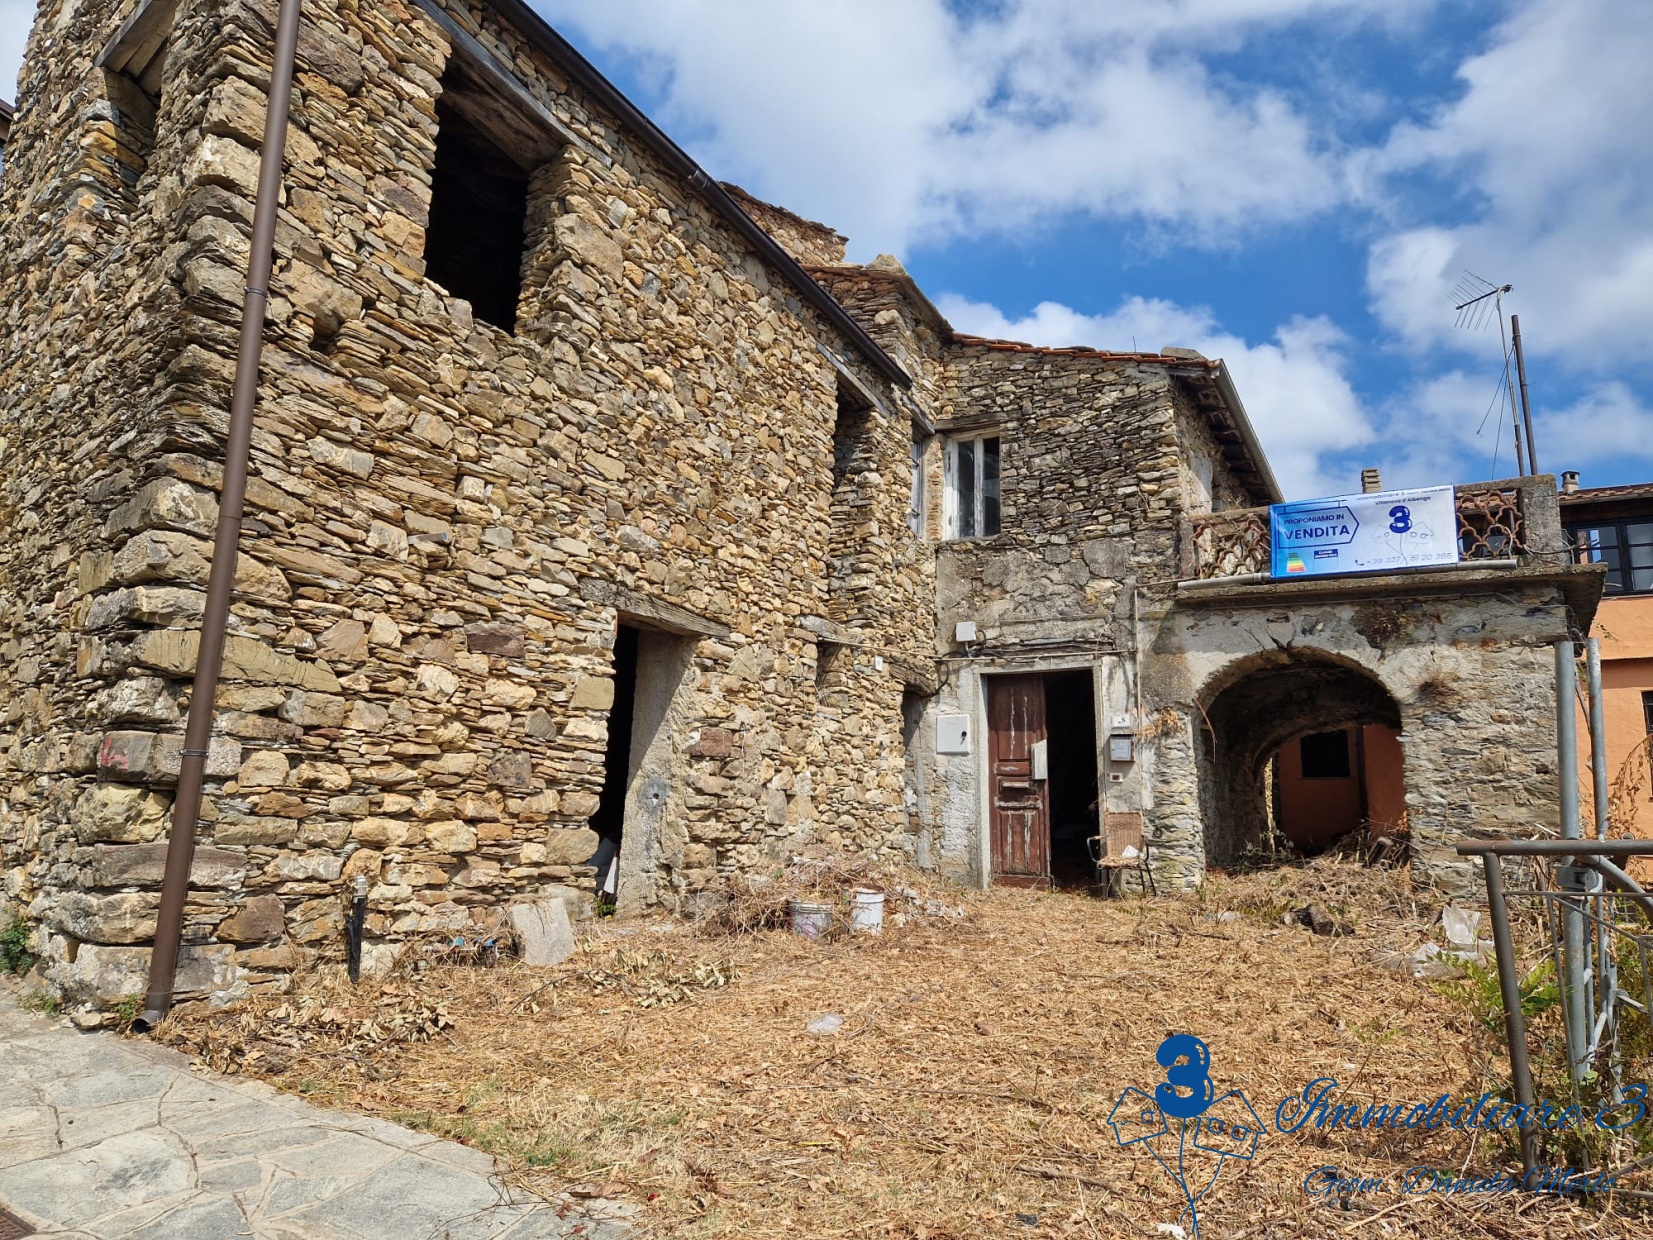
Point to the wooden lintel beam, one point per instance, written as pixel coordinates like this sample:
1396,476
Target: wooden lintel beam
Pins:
654,613
483,66
140,36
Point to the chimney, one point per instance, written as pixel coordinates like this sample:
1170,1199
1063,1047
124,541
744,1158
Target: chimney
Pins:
1370,481
1569,481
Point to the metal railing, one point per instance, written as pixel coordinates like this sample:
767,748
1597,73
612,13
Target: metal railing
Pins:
1492,525
1595,921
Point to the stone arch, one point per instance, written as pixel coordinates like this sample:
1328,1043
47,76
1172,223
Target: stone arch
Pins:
1254,706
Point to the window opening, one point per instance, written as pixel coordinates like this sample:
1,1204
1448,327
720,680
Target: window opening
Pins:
826,662
973,487
134,67
1647,711
1325,755
478,218
849,429
915,505
1626,547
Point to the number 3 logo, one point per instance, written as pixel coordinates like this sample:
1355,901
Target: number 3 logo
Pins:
1192,1075
1400,519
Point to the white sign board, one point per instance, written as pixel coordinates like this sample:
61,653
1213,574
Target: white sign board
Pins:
1376,533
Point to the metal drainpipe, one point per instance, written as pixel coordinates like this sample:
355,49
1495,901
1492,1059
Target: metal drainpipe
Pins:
1572,946
180,847
1598,736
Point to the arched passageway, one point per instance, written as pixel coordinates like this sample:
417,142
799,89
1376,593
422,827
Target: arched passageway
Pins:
1275,700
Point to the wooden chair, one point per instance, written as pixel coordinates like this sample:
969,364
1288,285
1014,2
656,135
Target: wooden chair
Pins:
1120,847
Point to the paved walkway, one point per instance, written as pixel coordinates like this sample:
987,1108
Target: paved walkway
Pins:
108,1137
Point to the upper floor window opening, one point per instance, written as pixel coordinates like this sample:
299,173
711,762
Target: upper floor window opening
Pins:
971,497
1647,711
916,498
478,219
1626,547
134,66
849,432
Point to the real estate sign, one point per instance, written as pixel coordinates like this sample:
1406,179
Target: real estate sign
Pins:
1379,532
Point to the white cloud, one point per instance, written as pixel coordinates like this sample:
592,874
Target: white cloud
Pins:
16,17
1295,387
1548,144
900,120
1457,427
1607,425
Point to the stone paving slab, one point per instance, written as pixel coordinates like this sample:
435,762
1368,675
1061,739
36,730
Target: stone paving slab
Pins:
106,1138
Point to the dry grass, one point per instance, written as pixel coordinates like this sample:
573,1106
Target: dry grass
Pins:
968,1090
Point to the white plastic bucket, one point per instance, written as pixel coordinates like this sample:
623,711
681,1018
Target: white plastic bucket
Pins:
866,911
810,919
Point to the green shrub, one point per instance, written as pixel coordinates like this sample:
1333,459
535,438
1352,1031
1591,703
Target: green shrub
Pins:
15,938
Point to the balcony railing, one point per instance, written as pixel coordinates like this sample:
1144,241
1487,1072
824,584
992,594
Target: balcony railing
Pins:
1493,524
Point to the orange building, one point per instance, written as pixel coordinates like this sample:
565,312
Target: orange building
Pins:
1614,525
1331,783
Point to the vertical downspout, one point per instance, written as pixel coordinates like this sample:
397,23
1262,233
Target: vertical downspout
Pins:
1572,945
180,847
1598,736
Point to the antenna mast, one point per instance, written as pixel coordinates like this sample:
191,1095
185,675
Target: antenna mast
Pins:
1526,406
1477,299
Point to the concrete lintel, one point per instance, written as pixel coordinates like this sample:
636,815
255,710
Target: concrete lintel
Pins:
1581,584
654,613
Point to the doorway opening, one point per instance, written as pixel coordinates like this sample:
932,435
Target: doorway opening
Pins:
609,821
1325,785
639,835
1304,742
1070,716
1042,770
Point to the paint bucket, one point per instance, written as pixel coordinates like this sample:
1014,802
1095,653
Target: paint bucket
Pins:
810,919
866,911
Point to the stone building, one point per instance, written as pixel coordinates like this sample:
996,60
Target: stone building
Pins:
589,495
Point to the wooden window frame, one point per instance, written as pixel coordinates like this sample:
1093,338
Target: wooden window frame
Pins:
952,487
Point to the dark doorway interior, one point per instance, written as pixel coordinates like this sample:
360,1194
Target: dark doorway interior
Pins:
610,819
912,714
1070,721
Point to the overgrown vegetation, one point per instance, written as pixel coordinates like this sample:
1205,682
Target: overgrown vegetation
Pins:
16,940
685,1073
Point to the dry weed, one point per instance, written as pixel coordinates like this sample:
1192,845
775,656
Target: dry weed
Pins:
968,1089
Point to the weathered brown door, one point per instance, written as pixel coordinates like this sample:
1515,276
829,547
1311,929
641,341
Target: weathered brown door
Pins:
1021,803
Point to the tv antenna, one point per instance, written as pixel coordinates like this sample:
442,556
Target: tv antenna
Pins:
1477,300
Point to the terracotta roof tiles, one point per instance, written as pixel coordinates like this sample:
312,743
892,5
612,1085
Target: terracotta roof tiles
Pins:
1152,359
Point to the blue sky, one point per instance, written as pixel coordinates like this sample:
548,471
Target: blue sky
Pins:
1293,185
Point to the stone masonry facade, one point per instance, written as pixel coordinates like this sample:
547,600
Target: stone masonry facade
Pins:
651,479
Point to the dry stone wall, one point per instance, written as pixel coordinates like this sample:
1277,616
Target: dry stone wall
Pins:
419,676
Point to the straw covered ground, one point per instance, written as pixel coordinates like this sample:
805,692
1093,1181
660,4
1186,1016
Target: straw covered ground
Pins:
671,1070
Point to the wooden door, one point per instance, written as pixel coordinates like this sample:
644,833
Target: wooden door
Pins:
1020,802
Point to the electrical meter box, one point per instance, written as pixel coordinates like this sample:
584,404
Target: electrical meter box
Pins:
952,733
